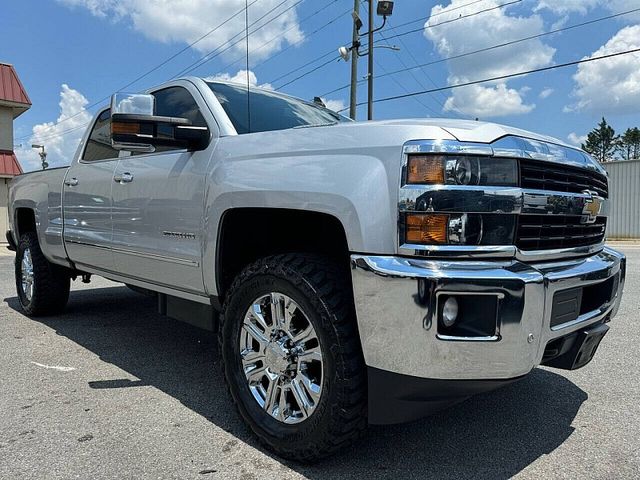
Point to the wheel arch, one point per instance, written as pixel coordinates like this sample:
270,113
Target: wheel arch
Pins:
284,230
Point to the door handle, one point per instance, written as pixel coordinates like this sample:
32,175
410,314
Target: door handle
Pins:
71,182
125,177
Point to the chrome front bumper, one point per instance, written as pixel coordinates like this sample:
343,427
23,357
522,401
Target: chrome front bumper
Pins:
398,328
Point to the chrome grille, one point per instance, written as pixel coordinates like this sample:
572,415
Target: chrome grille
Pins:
561,178
546,232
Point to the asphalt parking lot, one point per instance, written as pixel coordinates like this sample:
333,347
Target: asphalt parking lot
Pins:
111,389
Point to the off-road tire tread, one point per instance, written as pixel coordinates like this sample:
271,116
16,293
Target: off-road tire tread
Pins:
331,284
51,282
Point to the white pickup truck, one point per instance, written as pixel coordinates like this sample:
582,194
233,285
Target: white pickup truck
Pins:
356,272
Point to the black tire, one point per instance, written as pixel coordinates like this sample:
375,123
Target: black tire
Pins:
51,282
323,291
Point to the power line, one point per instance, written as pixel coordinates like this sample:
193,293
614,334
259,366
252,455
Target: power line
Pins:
322,65
503,77
462,17
309,35
148,72
494,47
207,58
415,77
443,12
60,134
297,69
291,45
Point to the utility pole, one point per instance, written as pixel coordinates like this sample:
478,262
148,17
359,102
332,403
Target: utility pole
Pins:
354,62
385,8
370,58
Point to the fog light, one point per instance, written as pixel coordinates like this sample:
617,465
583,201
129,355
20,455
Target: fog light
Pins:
450,312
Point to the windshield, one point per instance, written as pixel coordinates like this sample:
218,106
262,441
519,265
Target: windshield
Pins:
270,110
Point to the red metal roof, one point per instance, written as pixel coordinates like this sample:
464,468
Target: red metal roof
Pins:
12,93
9,166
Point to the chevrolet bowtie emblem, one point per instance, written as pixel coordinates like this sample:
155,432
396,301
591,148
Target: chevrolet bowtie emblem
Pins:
592,207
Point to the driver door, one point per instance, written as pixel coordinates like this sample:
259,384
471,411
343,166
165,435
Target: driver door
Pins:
158,205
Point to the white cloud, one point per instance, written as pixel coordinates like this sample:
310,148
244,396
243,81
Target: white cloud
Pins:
582,7
240,77
185,21
485,102
611,85
563,7
477,32
576,139
60,148
334,105
547,92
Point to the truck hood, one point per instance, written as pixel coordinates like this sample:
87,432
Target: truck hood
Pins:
471,131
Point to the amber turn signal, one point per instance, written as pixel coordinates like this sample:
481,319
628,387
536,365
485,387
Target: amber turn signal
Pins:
125,128
425,169
426,229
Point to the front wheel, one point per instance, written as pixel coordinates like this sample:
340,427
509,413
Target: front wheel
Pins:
42,287
292,357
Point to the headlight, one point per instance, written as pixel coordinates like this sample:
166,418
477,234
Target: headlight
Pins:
461,170
458,229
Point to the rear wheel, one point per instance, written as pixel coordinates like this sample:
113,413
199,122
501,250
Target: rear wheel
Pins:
292,357
42,287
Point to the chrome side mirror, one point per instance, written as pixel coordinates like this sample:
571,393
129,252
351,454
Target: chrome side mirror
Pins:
135,127
124,104
134,103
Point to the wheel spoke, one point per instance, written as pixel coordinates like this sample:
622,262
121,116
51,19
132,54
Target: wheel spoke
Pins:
300,396
256,314
255,374
282,405
310,355
271,395
255,333
289,310
277,311
304,336
312,390
250,357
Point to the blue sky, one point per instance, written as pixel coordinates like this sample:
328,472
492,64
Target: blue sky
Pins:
71,53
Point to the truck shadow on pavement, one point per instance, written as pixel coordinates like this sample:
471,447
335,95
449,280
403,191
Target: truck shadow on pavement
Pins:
494,435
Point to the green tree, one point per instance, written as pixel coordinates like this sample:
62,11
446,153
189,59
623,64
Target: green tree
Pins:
630,143
601,142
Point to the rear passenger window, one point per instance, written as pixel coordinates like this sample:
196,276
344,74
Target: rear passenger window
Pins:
99,142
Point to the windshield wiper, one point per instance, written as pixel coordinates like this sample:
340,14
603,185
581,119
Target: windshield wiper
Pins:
317,125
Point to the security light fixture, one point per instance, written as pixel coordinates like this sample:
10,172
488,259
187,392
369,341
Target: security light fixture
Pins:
345,53
385,8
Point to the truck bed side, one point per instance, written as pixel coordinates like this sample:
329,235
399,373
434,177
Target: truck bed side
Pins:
35,201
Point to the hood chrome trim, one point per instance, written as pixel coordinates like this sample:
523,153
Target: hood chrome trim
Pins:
510,146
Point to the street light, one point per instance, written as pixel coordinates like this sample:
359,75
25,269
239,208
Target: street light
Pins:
43,155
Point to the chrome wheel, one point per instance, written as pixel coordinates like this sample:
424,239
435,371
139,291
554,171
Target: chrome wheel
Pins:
281,358
27,274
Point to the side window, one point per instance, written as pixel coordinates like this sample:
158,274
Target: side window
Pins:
178,102
99,142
